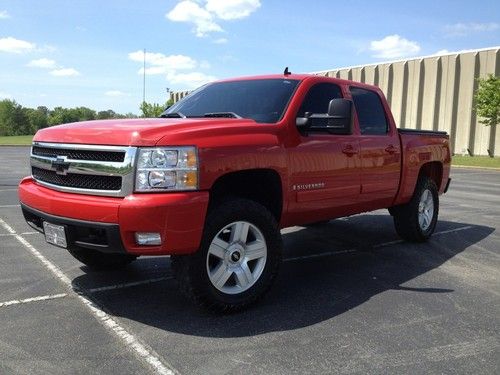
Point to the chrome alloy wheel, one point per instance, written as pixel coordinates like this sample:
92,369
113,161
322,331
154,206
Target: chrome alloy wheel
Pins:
425,210
236,257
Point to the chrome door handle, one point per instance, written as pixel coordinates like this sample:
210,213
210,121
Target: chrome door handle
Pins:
349,150
391,149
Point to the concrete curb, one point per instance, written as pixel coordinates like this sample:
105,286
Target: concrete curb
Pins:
475,167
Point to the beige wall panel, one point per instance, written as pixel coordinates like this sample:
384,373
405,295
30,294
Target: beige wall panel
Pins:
382,77
399,92
343,74
465,95
480,141
415,84
430,93
449,96
356,74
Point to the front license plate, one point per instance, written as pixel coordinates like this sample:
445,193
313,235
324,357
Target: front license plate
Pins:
55,234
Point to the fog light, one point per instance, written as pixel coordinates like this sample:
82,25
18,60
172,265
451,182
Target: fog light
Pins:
148,239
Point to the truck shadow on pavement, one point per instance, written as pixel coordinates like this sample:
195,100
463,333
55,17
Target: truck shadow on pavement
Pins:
361,264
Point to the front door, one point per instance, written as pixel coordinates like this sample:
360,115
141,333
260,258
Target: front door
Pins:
324,168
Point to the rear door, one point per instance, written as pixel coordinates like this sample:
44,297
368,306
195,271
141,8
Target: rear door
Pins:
380,151
324,168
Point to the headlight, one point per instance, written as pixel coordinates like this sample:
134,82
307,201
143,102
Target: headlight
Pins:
167,169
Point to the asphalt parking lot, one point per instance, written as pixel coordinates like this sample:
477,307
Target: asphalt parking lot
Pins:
350,298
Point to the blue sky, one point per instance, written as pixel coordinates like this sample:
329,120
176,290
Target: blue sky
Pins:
89,53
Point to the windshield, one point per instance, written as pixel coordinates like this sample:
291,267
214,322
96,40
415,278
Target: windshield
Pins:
263,100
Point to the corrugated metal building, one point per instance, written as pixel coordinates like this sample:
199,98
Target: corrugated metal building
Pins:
434,93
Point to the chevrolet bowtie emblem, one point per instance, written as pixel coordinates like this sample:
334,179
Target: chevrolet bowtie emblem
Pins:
60,165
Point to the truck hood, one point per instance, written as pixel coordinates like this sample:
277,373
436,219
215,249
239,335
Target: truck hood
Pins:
140,132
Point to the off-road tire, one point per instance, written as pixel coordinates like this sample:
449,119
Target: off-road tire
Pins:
406,217
191,271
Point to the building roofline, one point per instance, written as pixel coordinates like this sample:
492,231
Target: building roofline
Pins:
407,59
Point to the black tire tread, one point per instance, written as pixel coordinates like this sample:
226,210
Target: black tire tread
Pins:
406,216
188,268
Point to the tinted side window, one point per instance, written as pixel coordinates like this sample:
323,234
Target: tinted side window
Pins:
371,114
317,100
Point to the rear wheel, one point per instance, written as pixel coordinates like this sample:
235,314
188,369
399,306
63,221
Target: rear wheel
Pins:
416,220
238,259
101,261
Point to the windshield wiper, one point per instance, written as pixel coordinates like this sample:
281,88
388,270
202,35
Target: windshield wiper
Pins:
222,114
172,115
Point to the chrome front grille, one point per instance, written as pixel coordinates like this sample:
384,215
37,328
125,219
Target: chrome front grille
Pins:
84,169
114,156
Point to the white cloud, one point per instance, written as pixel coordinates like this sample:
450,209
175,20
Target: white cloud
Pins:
4,14
42,63
205,64
115,93
393,47
162,64
65,72
189,11
232,9
220,41
189,80
13,45
205,13
158,63
4,95
442,52
464,29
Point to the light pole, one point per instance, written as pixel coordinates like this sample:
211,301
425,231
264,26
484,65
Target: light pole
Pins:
144,78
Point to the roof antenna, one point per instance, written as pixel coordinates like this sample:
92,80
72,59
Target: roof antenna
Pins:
287,72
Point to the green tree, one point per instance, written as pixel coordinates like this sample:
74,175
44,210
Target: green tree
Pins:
488,100
85,114
39,118
105,115
60,115
151,109
14,119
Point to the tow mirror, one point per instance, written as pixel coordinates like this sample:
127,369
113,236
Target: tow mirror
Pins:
338,120
340,116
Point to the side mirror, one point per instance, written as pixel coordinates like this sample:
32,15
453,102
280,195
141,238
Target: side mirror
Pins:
338,120
340,116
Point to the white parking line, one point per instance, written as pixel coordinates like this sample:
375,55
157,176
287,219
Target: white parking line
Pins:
128,285
32,299
130,341
8,190
10,205
319,255
377,246
22,234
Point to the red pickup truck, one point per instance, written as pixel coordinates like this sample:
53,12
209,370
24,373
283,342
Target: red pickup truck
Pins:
212,182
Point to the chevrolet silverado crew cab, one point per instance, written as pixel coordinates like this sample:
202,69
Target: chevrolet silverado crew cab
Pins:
213,181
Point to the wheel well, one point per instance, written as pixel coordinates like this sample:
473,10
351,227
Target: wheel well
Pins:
260,185
434,171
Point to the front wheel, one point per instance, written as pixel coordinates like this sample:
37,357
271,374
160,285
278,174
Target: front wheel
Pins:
238,259
416,220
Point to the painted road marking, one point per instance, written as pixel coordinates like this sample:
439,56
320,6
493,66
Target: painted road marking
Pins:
128,285
22,234
130,341
10,205
377,246
32,299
